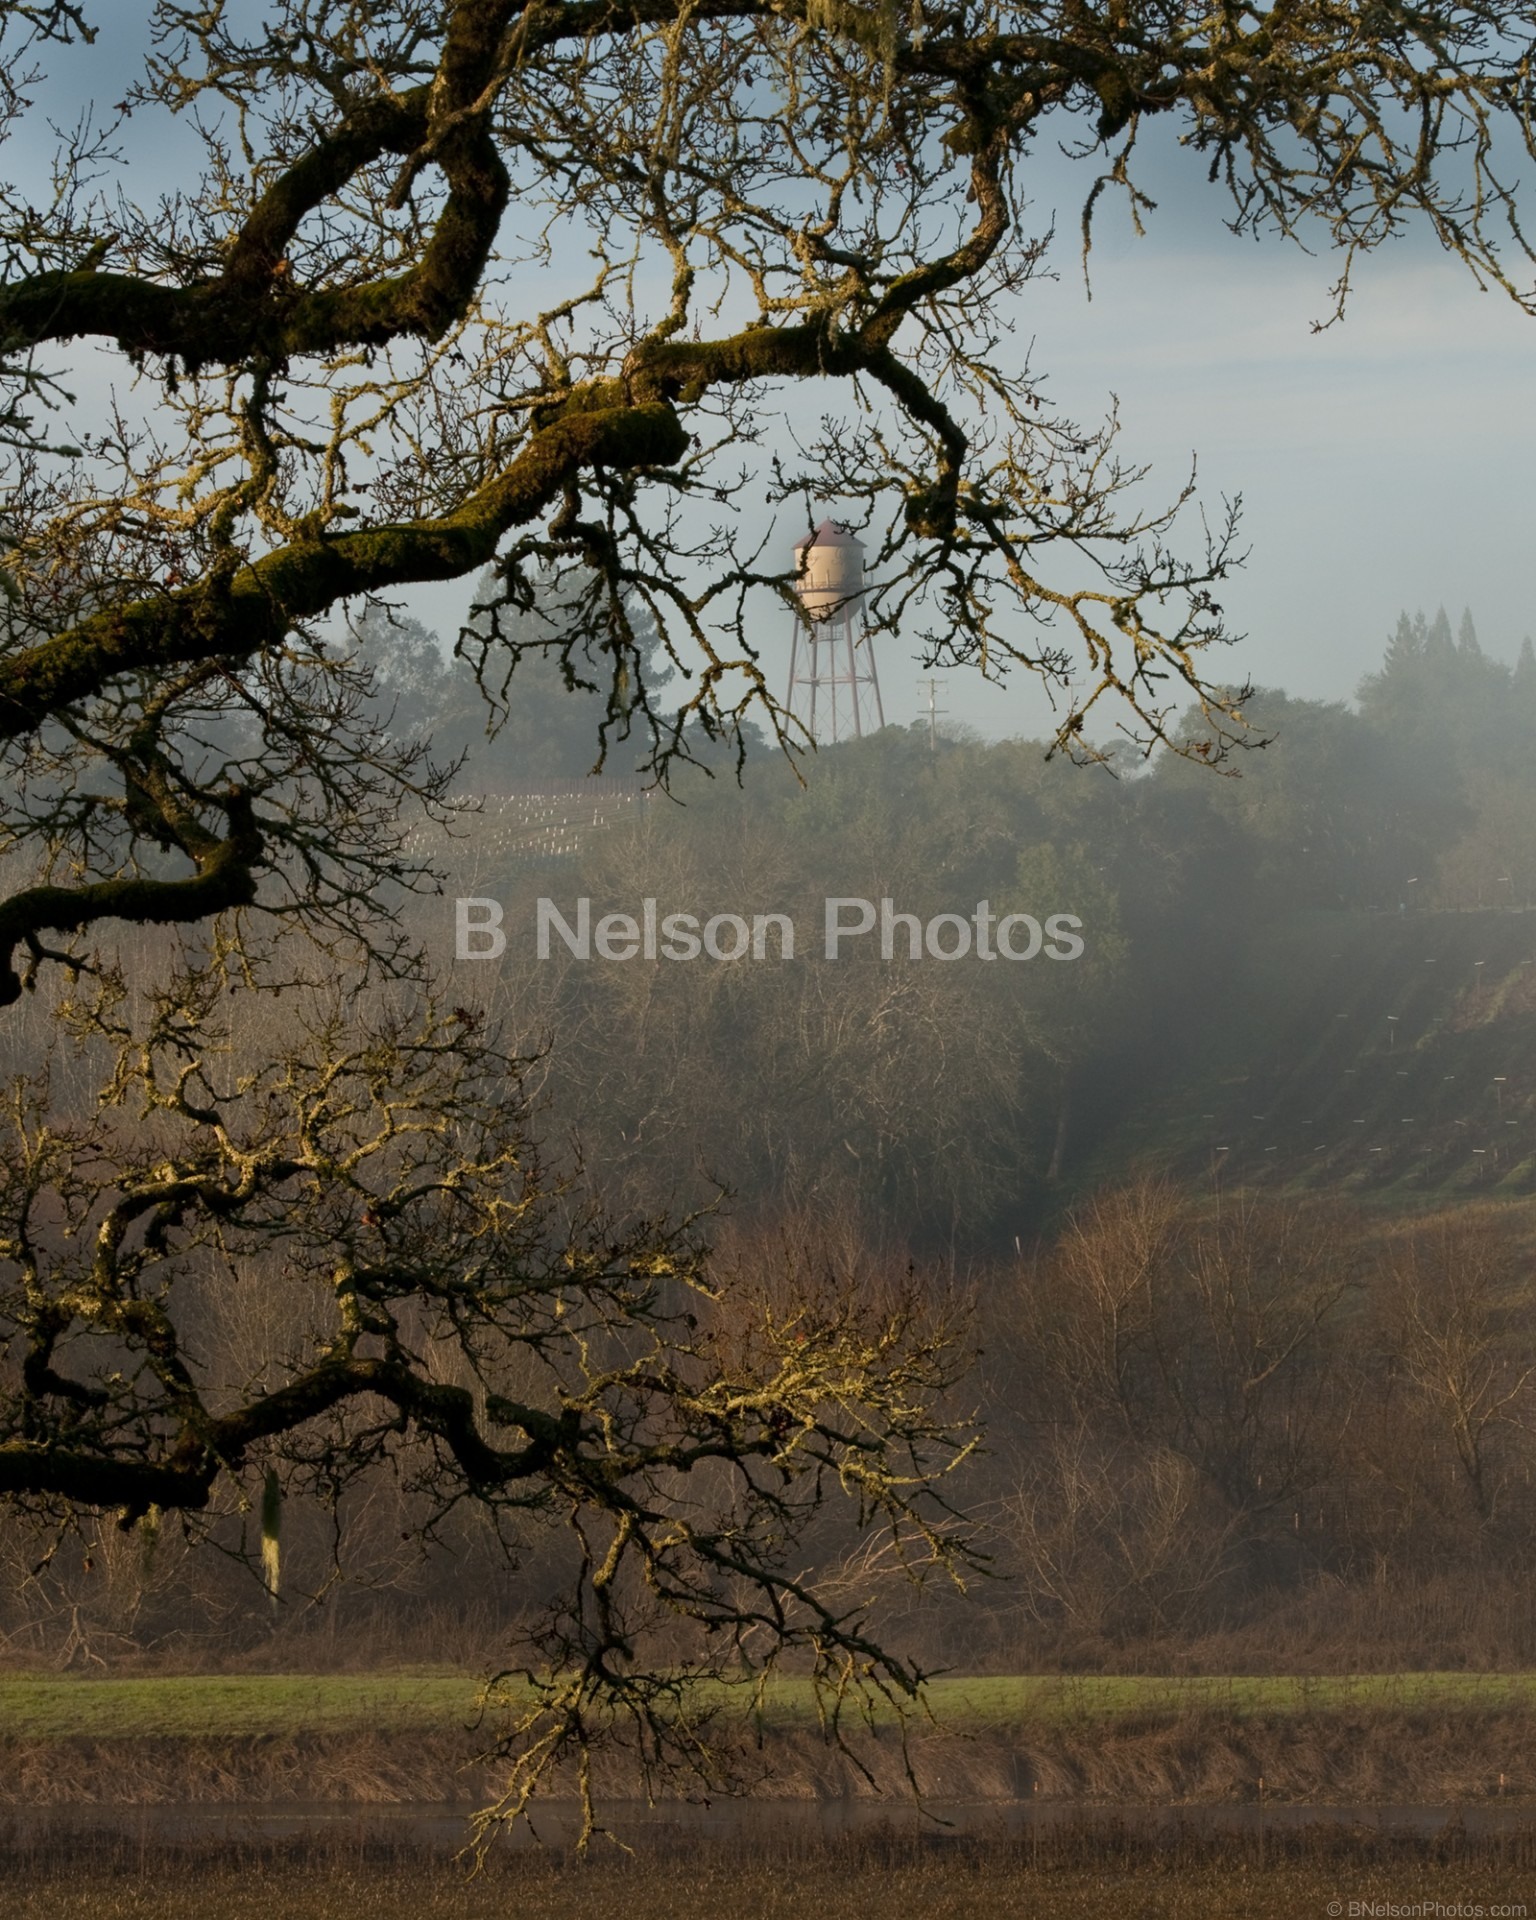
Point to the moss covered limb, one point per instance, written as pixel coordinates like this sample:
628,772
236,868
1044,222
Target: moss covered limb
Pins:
252,305
237,619
225,878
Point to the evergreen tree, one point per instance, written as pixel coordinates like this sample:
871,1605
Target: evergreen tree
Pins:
1523,687
1394,696
1405,645
1443,697
1438,645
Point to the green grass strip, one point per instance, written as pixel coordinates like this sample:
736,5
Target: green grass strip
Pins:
221,1707
227,1706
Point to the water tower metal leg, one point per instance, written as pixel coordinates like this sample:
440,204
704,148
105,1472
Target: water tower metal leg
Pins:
826,677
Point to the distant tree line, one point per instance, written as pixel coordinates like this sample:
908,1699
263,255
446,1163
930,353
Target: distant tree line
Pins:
1221,1430
961,1104
1273,1436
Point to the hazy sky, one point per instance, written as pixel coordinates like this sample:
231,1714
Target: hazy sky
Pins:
1383,464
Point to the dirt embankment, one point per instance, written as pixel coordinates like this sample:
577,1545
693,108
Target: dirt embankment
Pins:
1382,1755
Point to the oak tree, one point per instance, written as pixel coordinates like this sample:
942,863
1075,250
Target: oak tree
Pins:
449,284
368,361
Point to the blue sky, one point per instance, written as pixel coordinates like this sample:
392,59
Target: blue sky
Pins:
1384,463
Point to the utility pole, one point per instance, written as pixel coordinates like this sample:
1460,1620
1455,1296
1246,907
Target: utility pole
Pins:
935,688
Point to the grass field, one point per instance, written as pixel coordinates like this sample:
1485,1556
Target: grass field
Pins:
246,1705
231,1706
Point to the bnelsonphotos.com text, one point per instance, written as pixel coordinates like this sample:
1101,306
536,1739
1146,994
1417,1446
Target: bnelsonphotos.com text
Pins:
849,925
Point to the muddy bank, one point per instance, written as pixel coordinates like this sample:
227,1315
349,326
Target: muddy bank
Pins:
1378,1756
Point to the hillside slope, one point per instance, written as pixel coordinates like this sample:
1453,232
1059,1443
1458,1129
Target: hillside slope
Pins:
1367,1054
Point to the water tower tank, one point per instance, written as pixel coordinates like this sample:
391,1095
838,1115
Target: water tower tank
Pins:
830,564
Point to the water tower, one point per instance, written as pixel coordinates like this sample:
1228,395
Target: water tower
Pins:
833,689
